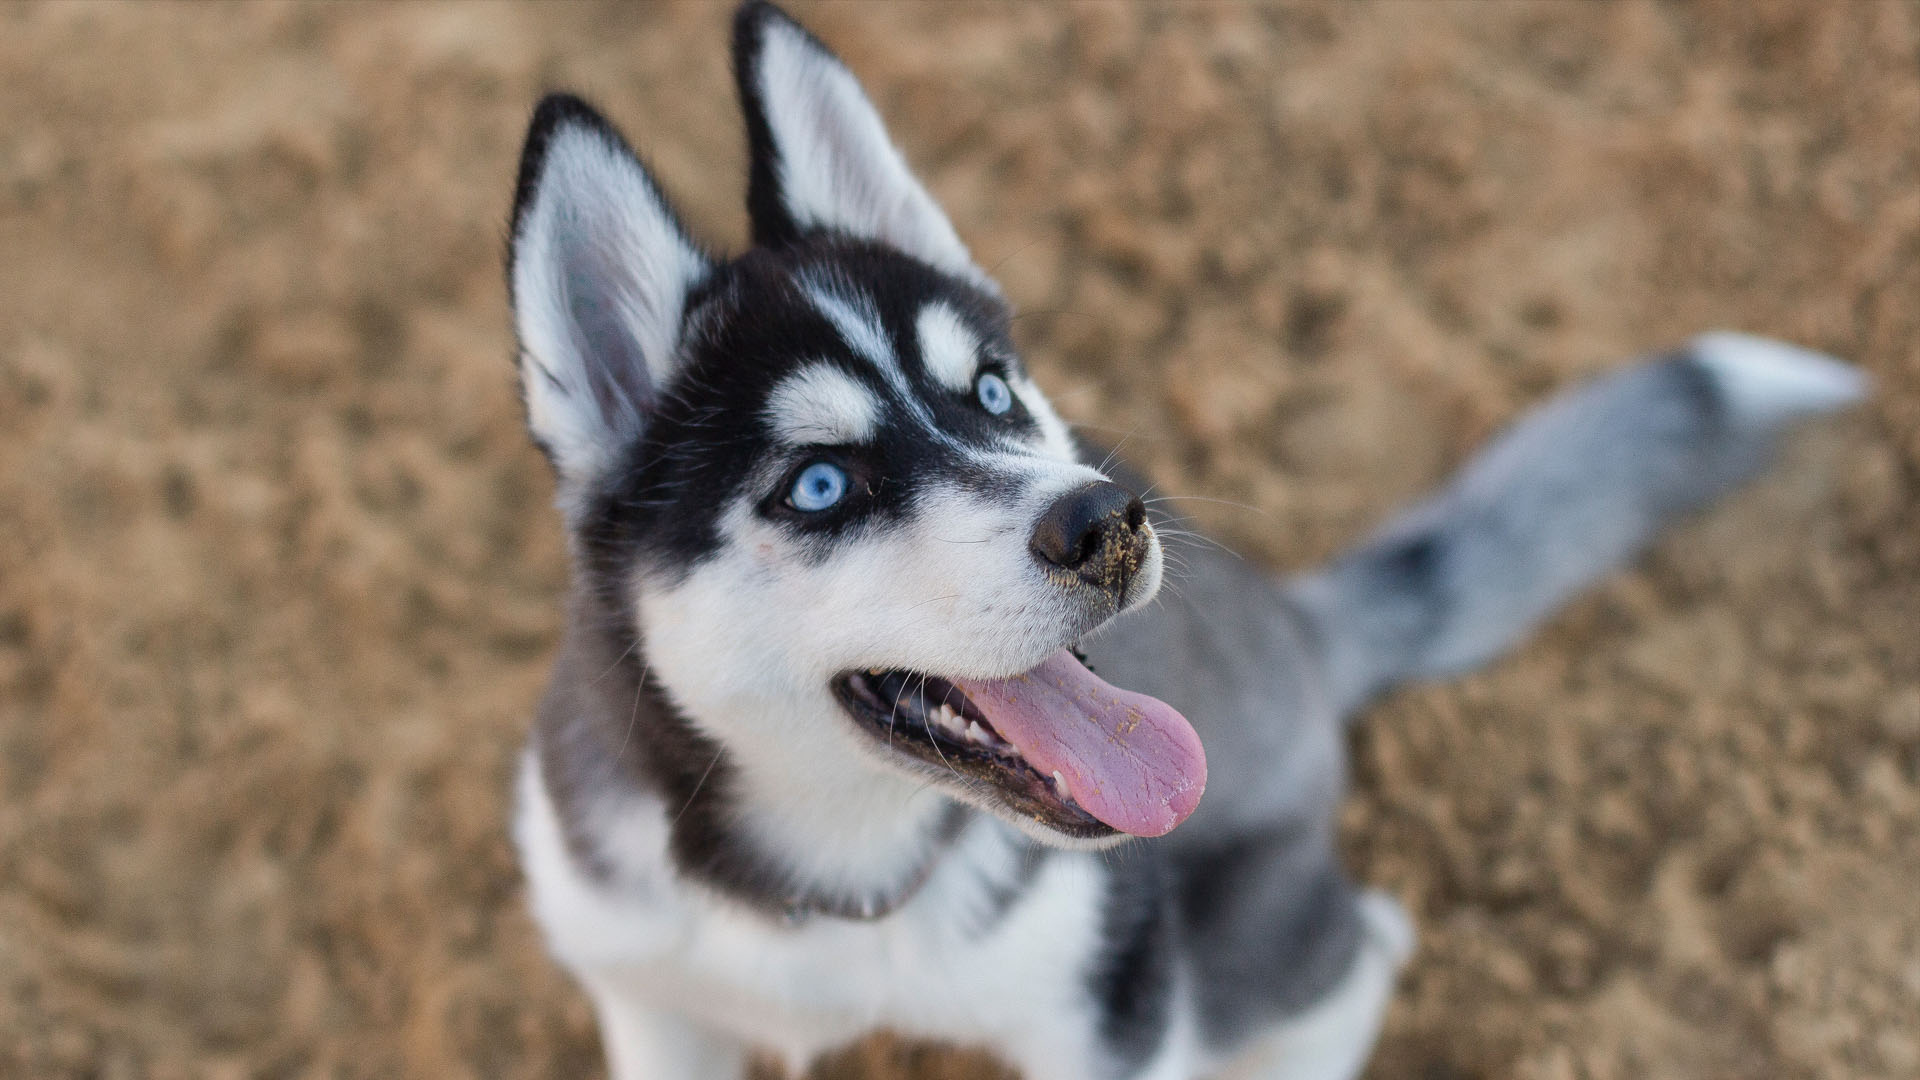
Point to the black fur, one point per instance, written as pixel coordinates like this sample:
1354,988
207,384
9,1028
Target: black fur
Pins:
605,729
773,226
622,375
556,111
1132,978
1270,923
749,328
604,726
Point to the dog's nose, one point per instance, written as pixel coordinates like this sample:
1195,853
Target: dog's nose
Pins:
1096,532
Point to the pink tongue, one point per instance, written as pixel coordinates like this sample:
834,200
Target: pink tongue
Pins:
1128,759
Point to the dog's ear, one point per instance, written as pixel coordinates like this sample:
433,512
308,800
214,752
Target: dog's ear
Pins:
600,270
819,155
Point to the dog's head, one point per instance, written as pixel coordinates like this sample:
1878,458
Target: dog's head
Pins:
840,514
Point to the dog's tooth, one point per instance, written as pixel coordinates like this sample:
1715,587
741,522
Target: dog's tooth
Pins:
975,732
1060,784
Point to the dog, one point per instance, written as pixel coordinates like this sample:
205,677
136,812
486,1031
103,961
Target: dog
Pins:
865,686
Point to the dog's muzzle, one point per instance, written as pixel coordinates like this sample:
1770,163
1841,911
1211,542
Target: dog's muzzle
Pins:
1094,536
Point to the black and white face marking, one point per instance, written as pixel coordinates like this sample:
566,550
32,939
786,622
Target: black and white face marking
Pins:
882,497
815,462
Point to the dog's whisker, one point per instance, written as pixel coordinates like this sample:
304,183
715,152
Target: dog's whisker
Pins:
1087,425
697,785
926,721
639,689
1209,499
617,661
892,715
1033,312
1002,260
1166,517
1186,536
1114,453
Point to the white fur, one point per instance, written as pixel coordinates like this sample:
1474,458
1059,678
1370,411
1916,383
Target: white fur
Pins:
858,322
595,214
644,1041
747,642
824,405
1768,381
838,168
731,977
947,347
953,590
853,315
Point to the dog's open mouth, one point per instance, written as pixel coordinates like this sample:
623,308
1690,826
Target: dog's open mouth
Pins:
1055,743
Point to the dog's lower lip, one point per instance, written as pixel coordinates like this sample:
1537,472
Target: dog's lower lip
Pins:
954,737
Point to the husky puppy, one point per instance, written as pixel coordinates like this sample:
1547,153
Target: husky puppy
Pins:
822,753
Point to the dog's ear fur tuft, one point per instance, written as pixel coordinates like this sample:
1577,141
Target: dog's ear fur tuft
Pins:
600,270
819,155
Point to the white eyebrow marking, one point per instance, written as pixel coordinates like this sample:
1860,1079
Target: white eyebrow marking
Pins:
947,347
857,322
822,404
856,319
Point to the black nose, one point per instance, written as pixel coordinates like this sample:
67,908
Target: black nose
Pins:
1097,532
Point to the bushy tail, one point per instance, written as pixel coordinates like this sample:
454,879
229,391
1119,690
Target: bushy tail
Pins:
1570,492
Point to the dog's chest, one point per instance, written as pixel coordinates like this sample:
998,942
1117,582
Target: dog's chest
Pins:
983,948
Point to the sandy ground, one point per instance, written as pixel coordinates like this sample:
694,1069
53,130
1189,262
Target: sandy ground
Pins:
280,578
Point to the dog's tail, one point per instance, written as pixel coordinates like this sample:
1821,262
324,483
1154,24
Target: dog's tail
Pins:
1572,491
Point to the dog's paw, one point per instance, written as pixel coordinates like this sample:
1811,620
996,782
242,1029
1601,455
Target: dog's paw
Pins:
1766,383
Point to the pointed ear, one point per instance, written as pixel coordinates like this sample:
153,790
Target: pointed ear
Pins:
819,155
600,271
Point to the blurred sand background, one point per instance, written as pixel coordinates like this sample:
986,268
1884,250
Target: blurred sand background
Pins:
279,576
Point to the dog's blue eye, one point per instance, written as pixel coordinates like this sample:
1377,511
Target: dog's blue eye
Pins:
995,397
819,486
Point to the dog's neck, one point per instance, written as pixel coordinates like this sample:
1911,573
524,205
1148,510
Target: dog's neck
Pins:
851,838
791,829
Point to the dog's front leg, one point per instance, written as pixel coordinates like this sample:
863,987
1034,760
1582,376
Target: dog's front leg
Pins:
644,1042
